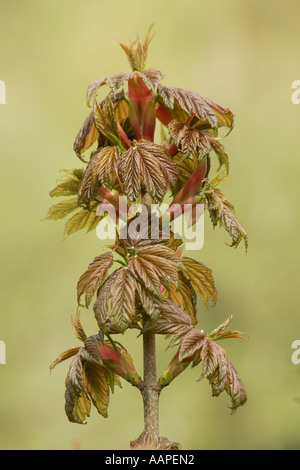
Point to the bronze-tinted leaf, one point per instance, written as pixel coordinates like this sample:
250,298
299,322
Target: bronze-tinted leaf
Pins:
94,277
155,265
201,279
77,327
105,120
173,320
87,135
221,210
191,343
149,164
137,51
120,289
235,388
190,140
219,371
104,166
88,185
209,113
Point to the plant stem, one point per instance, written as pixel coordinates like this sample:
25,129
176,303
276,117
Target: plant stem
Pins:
150,391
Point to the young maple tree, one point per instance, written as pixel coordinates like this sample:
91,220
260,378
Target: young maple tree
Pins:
155,288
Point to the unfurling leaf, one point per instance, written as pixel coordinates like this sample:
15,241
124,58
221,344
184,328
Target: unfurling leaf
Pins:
77,327
201,279
189,140
221,332
221,210
137,51
219,371
69,184
149,164
94,277
105,120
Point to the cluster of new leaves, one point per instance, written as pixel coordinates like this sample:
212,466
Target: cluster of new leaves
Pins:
196,347
94,371
154,289
126,161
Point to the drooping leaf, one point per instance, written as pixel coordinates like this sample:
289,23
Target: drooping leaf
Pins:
150,164
191,104
77,402
216,367
222,211
151,77
120,290
87,135
201,279
94,277
221,154
97,386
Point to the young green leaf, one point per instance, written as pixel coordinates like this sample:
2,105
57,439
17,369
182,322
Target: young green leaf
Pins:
62,209
201,279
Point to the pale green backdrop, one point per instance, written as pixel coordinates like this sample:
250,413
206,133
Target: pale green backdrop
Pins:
243,54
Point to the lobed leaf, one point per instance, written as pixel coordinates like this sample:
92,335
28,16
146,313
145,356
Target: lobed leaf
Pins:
93,277
150,164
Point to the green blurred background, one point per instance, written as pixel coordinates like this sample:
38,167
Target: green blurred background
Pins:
242,54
